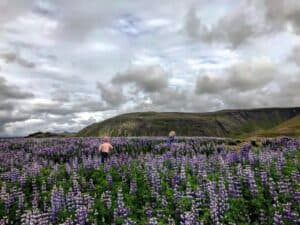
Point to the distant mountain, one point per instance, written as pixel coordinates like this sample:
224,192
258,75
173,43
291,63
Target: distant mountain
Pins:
225,123
49,134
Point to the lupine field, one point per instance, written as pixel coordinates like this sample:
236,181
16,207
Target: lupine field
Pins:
145,181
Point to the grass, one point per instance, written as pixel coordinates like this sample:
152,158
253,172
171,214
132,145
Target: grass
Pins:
290,127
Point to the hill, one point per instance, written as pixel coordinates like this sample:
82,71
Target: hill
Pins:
49,135
225,123
290,127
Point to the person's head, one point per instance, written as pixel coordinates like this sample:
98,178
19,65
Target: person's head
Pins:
172,133
105,139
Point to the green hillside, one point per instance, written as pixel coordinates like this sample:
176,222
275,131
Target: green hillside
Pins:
226,123
290,127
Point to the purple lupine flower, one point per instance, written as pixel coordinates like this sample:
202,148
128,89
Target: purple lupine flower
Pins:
133,187
153,221
264,178
262,216
287,211
68,222
88,201
272,189
21,200
188,218
34,218
83,184
213,204
149,212
244,152
277,219
109,180
128,221
250,180
171,221
106,199
231,185
23,179
81,215
121,211
223,196
92,186
57,201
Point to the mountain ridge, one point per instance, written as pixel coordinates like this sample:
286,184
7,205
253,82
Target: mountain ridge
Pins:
223,123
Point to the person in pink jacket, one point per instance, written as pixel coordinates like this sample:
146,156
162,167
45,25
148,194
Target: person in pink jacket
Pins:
105,148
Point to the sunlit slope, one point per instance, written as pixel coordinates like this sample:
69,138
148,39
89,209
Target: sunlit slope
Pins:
290,127
226,123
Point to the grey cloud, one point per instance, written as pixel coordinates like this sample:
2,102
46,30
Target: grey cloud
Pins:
60,109
150,82
12,57
60,94
233,99
45,123
54,108
279,13
246,86
8,117
8,92
251,19
235,28
240,77
6,106
88,105
251,75
295,55
175,100
10,9
286,96
9,97
289,91
111,95
208,85
195,28
170,99
78,18
166,100
148,79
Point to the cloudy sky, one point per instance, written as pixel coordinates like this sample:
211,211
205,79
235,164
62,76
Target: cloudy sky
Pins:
65,64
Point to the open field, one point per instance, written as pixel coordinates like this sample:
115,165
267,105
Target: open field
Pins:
195,181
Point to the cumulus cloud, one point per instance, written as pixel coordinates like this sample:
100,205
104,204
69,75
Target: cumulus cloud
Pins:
281,13
111,95
258,83
235,28
249,20
241,77
148,79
